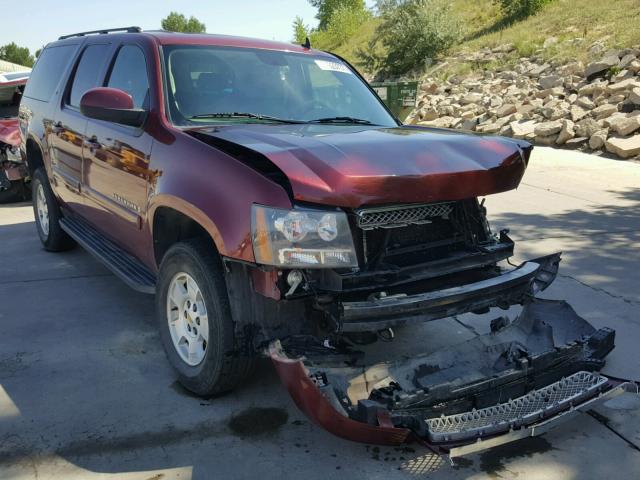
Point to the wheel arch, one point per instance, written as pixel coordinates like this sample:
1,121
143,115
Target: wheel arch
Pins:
173,219
34,155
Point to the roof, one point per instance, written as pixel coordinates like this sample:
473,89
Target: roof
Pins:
174,38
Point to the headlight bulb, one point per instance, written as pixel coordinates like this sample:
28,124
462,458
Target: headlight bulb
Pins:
293,226
328,227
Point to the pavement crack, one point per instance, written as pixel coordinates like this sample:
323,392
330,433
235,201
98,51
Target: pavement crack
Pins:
601,290
604,421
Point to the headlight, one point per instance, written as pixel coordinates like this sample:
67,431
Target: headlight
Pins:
302,237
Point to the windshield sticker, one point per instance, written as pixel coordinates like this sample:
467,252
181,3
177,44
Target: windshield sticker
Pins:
333,66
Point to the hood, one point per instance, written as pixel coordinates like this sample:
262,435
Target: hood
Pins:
352,166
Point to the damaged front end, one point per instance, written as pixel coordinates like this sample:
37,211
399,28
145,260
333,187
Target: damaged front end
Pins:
515,381
13,170
524,376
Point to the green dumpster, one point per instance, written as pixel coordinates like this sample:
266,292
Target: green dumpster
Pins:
400,97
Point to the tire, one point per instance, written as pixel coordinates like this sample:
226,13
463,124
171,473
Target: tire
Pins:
47,214
205,367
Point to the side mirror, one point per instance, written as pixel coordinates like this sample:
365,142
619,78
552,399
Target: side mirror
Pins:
111,105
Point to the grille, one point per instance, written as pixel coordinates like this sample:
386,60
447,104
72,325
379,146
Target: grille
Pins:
393,217
523,410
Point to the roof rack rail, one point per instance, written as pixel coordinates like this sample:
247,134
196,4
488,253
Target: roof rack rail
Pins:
106,30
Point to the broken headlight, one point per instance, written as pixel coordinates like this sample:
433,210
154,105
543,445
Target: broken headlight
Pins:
302,237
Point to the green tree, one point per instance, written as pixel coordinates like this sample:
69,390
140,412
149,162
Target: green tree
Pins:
15,54
177,22
413,33
326,9
300,31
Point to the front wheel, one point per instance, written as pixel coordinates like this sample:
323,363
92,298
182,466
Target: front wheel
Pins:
194,318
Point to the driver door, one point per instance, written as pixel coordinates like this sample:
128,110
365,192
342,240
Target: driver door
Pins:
116,159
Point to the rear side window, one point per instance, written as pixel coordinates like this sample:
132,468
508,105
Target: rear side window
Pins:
129,73
88,72
51,64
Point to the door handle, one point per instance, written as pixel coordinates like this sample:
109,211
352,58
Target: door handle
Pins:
57,128
93,143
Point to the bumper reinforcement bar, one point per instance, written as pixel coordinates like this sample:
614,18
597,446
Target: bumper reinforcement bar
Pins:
503,290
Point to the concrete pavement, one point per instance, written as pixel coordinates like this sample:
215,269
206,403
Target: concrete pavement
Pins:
85,390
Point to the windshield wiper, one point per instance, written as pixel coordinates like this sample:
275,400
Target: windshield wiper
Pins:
359,121
243,115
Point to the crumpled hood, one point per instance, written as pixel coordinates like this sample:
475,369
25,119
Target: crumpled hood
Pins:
352,166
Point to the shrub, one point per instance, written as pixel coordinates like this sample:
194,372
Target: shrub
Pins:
413,33
516,9
343,23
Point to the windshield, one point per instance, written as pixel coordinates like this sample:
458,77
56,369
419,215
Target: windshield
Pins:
207,84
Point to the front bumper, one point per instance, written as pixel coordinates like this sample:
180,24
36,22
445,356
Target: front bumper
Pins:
503,290
317,405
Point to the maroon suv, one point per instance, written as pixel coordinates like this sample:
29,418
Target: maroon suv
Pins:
274,205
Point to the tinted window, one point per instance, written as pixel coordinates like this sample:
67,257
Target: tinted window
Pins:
129,73
88,71
51,64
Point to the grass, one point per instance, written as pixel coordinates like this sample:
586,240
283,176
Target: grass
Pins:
577,24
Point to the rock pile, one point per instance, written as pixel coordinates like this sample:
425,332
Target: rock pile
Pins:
594,108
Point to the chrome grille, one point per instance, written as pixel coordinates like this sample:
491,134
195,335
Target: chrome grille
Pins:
523,410
401,216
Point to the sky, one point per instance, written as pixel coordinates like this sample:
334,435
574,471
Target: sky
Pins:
33,23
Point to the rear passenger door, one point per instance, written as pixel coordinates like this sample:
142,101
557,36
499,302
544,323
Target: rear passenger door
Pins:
67,133
116,158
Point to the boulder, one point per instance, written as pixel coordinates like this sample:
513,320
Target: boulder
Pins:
427,114
441,122
567,132
586,127
576,142
634,96
627,84
550,81
506,109
586,103
547,128
522,129
625,125
546,140
578,113
603,111
601,66
471,98
596,142
624,147
627,60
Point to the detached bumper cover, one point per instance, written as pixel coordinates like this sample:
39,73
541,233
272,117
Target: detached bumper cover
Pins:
503,290
485,429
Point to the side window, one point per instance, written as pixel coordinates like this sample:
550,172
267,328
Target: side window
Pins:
51,65
129,73
89,68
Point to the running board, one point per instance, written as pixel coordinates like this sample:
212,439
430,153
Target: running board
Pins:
125,266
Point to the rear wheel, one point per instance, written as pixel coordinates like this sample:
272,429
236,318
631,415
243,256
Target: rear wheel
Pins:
48,215
194,318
